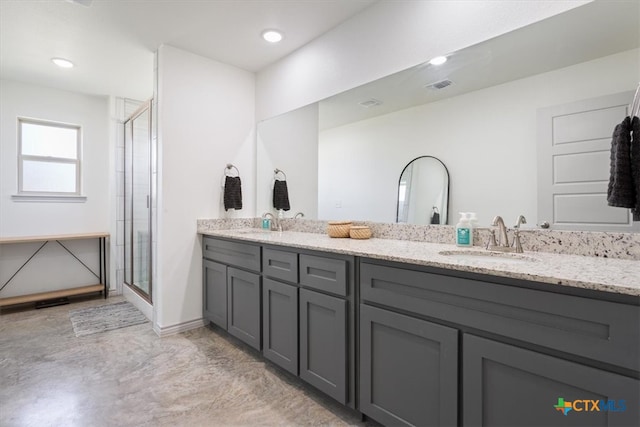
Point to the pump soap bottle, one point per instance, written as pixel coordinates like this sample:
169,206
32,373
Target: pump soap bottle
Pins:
464,231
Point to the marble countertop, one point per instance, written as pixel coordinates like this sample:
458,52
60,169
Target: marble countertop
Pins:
596,273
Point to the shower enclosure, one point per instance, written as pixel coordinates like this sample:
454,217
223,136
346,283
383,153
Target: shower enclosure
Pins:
137,202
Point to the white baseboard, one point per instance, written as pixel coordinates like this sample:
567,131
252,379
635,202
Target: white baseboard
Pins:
164,331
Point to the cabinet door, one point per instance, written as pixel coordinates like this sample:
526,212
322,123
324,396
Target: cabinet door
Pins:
280,324
323,343
243,305
505,385
214,292
408,369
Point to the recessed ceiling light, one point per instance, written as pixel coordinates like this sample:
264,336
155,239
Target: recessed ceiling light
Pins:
62,63
272,36
438,60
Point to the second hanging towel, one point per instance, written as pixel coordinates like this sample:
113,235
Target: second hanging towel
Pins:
281,195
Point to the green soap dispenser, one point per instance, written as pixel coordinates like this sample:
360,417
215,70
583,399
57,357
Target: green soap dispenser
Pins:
464,231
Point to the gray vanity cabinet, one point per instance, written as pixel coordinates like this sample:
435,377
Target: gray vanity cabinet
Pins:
280,308
306,301
214,292
504,385
232,291
522,349
323,343
408,369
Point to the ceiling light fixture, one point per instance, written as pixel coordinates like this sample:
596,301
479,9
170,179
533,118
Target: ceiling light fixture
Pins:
438,60
62,63
272,36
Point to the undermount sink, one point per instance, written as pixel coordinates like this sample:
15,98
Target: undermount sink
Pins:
252,231
488,256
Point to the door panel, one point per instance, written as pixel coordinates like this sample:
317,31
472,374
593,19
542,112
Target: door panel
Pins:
243,305
408,369
323,343
280,324
505,385
215,292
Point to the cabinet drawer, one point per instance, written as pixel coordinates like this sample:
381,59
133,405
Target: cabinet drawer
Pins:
242,255
599,330
325,274
280,265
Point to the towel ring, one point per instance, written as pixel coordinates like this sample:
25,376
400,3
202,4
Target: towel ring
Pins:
227,170
277,171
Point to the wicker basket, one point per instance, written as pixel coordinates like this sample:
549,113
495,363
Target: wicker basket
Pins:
339,228
360,232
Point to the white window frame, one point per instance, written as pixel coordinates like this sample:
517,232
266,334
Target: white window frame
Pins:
49,195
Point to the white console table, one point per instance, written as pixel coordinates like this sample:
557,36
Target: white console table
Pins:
101,275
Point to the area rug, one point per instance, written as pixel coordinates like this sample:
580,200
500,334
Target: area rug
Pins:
93,320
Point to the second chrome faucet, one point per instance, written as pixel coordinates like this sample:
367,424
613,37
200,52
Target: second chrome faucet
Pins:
502,244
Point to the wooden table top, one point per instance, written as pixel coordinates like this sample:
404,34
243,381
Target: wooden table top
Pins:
27,239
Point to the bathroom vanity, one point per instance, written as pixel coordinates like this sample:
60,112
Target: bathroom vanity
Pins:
408,333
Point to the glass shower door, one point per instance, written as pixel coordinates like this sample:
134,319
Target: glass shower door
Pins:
138,202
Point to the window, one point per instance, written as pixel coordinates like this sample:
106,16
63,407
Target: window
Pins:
48,158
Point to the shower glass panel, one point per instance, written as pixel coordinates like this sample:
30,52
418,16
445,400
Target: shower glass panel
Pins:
138,202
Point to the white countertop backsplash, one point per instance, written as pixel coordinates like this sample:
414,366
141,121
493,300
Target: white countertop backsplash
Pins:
608,262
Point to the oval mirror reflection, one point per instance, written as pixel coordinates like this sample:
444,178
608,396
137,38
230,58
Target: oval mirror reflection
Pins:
423,192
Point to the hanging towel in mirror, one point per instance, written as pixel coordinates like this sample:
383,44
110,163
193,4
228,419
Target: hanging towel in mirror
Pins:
280,195
635,164
435,216
621,192
232,193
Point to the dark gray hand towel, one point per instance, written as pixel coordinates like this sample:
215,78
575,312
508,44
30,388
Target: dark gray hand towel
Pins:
232,193
635,164
621,192
281,195
435,216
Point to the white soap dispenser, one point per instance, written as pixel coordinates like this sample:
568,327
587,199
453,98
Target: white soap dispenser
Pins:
464,231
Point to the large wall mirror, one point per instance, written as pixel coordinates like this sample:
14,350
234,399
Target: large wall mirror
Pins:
477,113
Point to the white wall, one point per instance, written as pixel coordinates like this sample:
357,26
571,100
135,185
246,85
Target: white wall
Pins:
205,120
385,38
487,140
39,218
290,143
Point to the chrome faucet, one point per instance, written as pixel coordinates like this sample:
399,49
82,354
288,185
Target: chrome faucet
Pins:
298,215
503,239
521,220
275,223
499,222
516,233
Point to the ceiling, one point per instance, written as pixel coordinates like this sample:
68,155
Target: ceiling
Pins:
112,42
581,34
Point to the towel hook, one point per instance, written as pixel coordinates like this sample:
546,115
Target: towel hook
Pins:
277,171
227,170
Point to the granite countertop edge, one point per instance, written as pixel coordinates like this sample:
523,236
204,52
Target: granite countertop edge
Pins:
595,273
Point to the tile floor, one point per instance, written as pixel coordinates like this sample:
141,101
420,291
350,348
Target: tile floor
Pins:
131,377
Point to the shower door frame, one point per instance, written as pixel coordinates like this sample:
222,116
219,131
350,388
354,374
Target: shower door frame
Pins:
144,295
